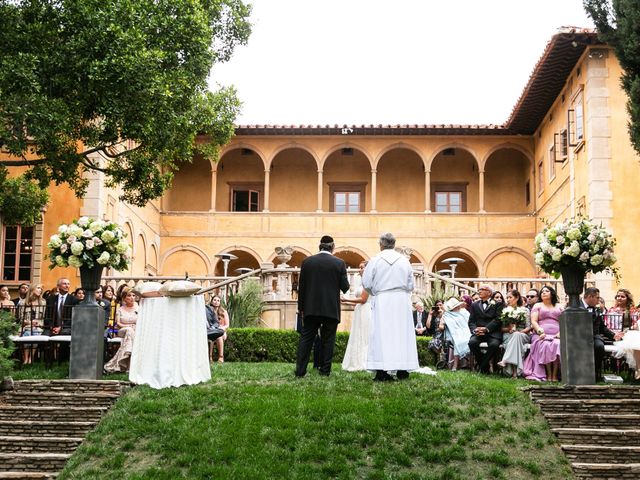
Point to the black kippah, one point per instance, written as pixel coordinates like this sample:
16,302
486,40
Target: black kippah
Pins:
326,239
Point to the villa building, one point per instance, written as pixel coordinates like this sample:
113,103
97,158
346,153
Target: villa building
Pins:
475,192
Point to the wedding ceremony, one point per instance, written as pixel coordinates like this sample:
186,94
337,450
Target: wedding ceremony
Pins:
319,240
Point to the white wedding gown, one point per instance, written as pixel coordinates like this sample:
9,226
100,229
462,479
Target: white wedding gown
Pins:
170,348
355,357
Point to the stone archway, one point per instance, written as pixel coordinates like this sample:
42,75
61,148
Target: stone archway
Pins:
396,167
351,256
293,181
507,186
245,260
468,269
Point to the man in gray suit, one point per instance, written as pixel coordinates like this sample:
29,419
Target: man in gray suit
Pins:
322,277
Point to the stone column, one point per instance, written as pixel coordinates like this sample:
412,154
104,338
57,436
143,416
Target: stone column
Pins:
214,189
320,185
374,190
427,191
481,192
267,178
87,342
577,362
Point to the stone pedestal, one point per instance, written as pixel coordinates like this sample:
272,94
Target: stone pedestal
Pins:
87,342
576,347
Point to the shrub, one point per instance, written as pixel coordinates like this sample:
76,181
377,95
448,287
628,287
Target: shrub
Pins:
245,306
7,328
269,345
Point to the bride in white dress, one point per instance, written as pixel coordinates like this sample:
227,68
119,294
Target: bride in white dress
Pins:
355,357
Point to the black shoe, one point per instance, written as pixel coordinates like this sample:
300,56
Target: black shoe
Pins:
402,375
382,376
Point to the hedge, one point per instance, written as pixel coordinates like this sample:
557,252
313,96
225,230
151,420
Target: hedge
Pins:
270,345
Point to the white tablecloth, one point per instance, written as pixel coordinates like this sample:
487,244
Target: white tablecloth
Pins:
170,348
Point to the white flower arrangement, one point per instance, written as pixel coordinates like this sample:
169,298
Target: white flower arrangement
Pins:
515,315
578,243
87,242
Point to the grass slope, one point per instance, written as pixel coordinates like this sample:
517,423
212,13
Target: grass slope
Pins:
255,421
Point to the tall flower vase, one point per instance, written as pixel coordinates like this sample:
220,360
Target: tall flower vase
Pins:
573,282
90,280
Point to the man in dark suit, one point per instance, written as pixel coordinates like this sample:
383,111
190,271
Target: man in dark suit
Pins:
590,300
322,277
485,326
23,290
57,320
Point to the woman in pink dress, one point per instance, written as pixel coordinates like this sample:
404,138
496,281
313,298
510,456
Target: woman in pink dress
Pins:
543,362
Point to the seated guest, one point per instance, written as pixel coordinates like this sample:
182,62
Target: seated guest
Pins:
515,338
109,305
543,362
31,315
126,319
213,328
5,298
591,301
485,326
496,297
57,320
455,325
79,293
23,291
468,300
99,300
420,320
223,319
533,297
624,306
433,321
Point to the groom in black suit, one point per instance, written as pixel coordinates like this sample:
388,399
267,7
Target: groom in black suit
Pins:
322,277
485,326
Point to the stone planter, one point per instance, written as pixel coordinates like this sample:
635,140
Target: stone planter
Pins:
573,282
90,280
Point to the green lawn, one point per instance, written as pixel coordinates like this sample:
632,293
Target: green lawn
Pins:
256,421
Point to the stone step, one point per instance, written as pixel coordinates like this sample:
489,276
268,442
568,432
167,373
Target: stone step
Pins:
45,428
556,405
48,399
584,392
627,471
599,436
601,453
33,462
593,420
20,444
27,475
49,413
71,386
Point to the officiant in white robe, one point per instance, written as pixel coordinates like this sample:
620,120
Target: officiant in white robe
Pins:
392,342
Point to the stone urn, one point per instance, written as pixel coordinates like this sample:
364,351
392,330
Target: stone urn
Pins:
283,254
573,283
90,280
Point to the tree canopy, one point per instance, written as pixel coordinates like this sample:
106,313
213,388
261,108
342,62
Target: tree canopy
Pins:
117,86
618,24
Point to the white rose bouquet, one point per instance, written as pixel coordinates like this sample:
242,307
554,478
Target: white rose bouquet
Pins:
577,242
516,316
89,242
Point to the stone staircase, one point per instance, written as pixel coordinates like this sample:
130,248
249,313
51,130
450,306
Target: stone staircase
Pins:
598,427
43,421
